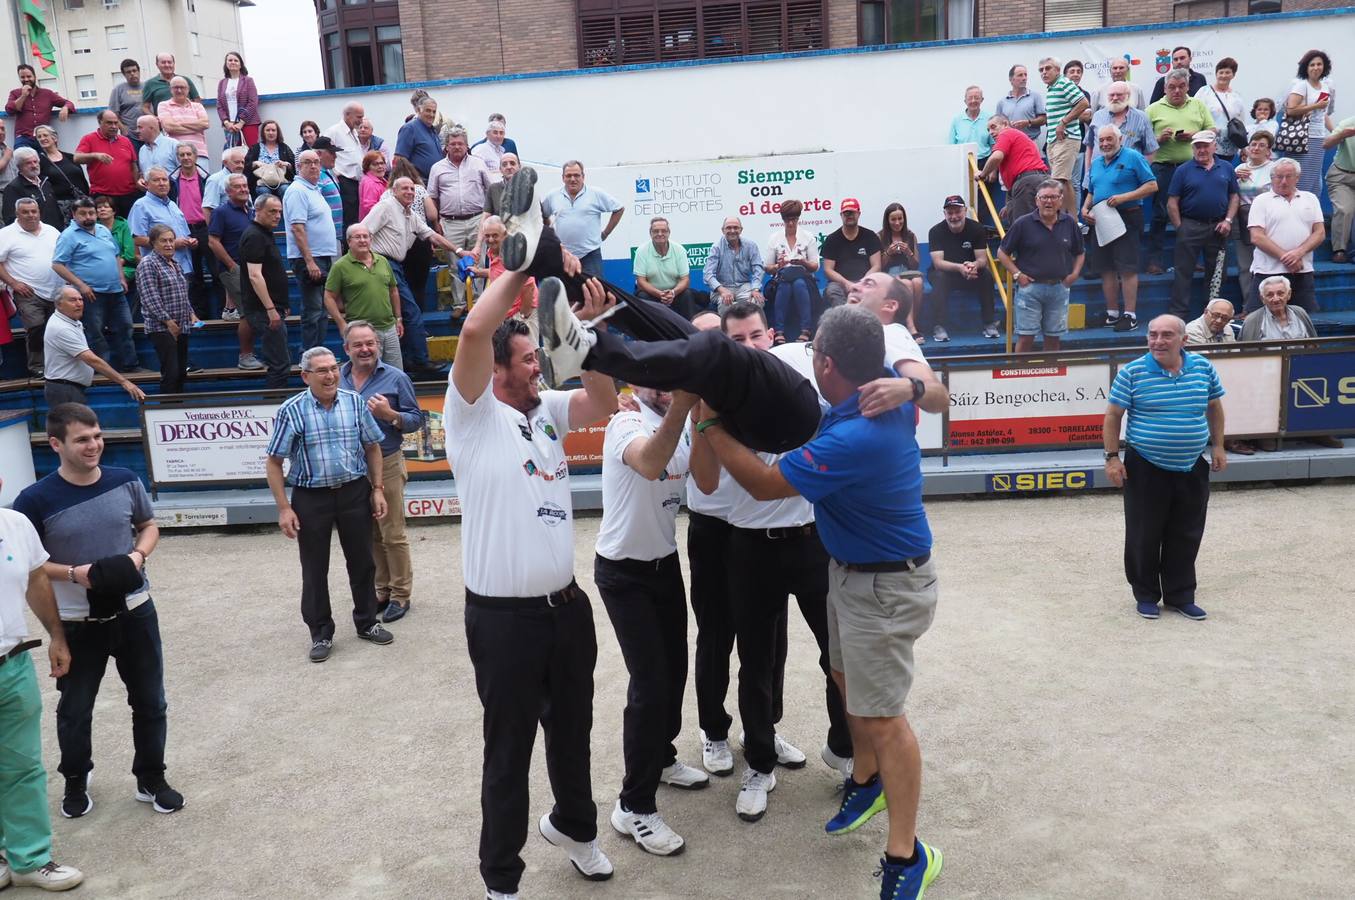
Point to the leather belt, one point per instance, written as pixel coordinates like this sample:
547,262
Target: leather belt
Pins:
640,565
332,487
74,384
462,218
902,565
19,649
552,600
782,534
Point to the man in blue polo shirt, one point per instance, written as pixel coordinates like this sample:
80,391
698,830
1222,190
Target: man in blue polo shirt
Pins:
864,477
575,211
230,220
1120,178
1202,204
87,258
1044,252
312,244
1175,406
157,209
418,138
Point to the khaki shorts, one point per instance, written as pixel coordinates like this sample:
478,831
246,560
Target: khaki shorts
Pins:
230,280
873,620
1062,158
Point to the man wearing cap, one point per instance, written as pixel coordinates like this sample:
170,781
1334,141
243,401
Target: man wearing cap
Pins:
959,249
1018,160
1176,119
1201,203
849,254
1120,178
1044,253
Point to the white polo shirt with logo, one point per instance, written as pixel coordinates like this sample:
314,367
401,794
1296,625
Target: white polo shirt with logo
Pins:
20,553
517,520
639,515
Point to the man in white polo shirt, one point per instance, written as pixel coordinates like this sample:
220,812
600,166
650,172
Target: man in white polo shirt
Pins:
27,246
644,471
70,363
529,626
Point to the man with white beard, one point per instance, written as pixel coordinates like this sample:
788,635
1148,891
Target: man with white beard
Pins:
1119,74
1136,132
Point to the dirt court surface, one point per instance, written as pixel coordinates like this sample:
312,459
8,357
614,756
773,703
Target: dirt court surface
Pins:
1071,749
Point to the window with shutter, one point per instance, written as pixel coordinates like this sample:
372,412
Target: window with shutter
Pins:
1071,15
622,32
598,41
722,30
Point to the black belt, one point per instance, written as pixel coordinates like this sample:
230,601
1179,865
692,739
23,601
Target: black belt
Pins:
569,592
782,534
1047,281
462,218
74,384
901,565
640,565
1213,221
332,487
18,649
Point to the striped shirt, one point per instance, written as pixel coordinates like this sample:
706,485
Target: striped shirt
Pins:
1167,423
1059,101
164,293
324,445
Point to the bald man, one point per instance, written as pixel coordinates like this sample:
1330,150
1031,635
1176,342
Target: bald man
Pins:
348,158
734,267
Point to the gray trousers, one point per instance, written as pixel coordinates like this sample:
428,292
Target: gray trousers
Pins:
61,392
1341,189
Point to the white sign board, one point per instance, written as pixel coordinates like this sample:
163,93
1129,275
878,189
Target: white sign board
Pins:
1028,406
208,443
1251,402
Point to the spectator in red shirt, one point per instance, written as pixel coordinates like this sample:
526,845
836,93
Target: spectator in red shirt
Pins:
1017,158
110,159
32,106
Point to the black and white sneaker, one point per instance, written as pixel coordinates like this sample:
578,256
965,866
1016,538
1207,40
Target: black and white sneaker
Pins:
161,797
564,339
1127,322
77,802
320,650
376,635
649,830
521,219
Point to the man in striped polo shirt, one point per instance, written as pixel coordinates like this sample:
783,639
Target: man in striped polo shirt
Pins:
1174,400
1064,103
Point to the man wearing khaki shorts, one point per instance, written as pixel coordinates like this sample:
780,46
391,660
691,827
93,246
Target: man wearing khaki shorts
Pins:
863,475
1065,103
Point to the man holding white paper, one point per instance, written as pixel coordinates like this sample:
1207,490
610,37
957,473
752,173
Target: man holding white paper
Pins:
1120,178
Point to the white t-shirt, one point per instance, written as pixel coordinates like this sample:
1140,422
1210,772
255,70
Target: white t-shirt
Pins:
900,345
20,553
639,515
232,94
1287,223
1231,107
28,257
1317,119
805,248
347,163
513,483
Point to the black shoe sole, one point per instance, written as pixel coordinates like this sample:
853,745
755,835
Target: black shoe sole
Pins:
513,249
699,786
548,293
520,191
793,766
88,809
320,659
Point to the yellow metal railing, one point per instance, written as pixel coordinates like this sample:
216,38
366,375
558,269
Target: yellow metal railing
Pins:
1001,277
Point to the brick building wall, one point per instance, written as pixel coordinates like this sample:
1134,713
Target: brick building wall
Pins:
537,36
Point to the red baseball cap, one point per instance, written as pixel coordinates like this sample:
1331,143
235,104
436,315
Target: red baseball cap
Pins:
850,204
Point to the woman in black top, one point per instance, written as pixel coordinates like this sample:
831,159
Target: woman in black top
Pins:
269,149
67,178
898,257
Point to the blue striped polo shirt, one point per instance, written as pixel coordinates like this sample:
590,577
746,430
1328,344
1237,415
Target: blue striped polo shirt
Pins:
1167,424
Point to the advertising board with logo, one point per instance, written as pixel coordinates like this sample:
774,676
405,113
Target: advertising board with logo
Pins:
1030,406
1029,482
1321,394
207,443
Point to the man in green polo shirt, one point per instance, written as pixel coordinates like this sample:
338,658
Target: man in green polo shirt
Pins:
662,272
361,285
157,88
1175,119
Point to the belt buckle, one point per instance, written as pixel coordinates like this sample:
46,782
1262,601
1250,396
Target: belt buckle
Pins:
770,534
550,599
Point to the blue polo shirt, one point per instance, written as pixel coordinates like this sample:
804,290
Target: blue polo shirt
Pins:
214,190
399,391
163,153
1203,192
228,225
304,203
1045,254
1126,171
152,210
964,130
578,220
91,256
1167,423
418,143
864,477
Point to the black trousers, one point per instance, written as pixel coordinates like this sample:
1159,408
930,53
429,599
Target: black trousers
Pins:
202,284
1194,237
348,193
173,355
946,283
532,665
764,403
1164,515
349,508
418,263
647,604
684,304
768,572
272,346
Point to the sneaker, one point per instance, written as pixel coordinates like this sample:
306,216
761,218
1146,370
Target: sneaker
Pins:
500,895
161,797
1108,320
394,612
900,882
1191,611
320,650
650,831
1148,610
716,757
990,330
788,756
51,877
752,802
377,635
681,775
587,857
77,802
1126,322
251,362
521,219
940,334
230,315
859,803
564,339
381,607
844,764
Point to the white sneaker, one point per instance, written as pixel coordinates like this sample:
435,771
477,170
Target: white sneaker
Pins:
844,764
564,339
716,757
521,220
499,895
251,362
587,857
51,877
689,778
650,831
752,802
788,756
230,315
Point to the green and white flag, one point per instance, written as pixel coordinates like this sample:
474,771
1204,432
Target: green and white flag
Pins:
41,50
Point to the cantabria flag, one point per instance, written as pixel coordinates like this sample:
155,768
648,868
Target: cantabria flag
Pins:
41,50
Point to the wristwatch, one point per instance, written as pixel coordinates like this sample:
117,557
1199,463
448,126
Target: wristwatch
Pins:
919,388
1112,454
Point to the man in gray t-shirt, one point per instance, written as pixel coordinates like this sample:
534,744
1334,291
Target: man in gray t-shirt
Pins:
125,100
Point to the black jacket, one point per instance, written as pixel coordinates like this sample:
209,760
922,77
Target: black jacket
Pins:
284,153
42,192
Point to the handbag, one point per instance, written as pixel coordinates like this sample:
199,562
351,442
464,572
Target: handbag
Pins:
68,206
1235,131
1292,137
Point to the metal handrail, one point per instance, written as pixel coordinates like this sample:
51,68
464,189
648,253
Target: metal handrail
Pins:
1001,277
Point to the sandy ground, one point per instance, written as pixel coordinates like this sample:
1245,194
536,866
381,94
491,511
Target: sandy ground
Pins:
1071,749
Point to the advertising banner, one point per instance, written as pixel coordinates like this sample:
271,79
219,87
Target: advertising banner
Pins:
425,450
1031,406
1321,393
1251,404
208,443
